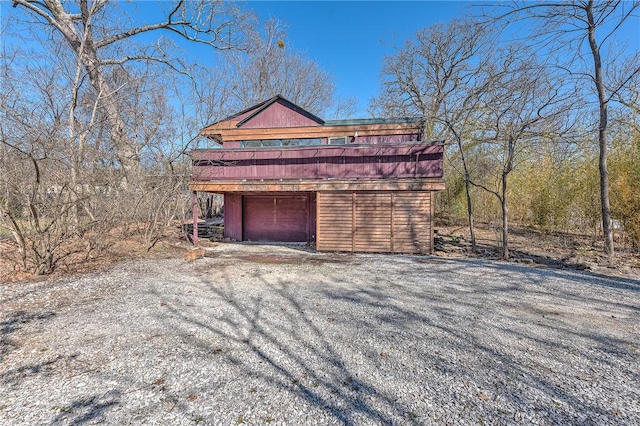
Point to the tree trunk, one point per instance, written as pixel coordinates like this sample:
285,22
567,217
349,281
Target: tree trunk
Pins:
17,235
508,168
472,231
602,134
127,155
467,184
505,219
88,56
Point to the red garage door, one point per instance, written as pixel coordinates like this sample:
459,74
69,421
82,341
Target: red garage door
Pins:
282,218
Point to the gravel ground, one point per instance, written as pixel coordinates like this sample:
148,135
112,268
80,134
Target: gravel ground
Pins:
277,335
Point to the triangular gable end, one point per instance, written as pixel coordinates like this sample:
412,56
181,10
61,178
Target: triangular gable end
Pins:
278,112
274,112
233,120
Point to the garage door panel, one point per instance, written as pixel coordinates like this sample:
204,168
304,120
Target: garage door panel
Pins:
278,218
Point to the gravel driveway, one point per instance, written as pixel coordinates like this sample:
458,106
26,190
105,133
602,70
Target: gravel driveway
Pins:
276,335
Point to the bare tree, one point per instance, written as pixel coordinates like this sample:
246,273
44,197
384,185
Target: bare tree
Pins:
270,67
565,26
439,76
95,32
38,202
423,75
61,184
625,85
523,107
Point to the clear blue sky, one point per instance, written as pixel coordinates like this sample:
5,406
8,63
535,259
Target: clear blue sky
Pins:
349,39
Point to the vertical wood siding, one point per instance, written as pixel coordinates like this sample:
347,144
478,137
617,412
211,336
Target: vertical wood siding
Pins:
334,221
233,216
278,115
385,221
319,162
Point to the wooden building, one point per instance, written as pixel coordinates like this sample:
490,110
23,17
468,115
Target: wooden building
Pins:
362,185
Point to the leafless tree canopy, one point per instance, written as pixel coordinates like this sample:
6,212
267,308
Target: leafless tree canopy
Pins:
580,32
423,76
100,106
104,42
272,66
503,106
92,142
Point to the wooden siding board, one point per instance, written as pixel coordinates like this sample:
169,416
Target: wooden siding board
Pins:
372,230
278,115
233,216
229,131
398,222
412,222
426,184
430,197
355,161
334,224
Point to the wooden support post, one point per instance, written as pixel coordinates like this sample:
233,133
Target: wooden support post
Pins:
194,209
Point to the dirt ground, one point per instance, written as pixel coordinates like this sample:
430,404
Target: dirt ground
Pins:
527,246
530,246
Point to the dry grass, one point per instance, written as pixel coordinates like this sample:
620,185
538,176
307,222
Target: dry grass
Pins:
527,245
117,250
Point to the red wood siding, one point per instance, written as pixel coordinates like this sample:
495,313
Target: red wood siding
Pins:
233,216
340,161
245,114
232,144
278,115
282,218
313,220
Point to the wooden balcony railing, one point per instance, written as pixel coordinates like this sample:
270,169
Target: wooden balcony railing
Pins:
379,161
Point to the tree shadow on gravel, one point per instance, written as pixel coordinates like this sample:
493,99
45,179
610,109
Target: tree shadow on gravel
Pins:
455,302
539,273
492,341
91,409
274,339
486,272
583,277
13,324
14,377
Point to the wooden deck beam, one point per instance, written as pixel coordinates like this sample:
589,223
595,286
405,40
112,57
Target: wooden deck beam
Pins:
427,184
311,131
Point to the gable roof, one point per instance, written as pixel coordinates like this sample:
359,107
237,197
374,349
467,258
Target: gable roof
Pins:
257,122
277,98
240,118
